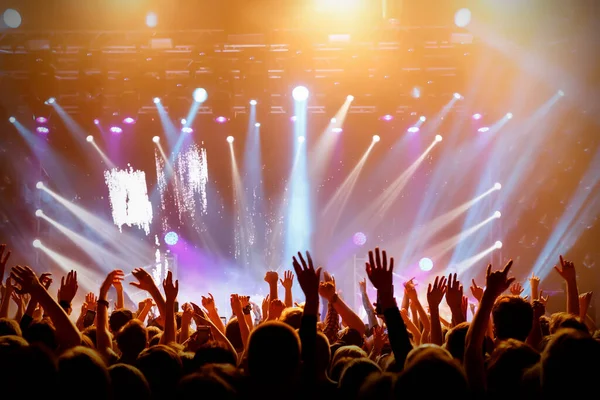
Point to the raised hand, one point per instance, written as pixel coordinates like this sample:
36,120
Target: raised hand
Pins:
198,311
380,273
566,270
436,292
187,310
362,285
236,305
276,307
379,339
265,307
327,290
410,290
91,300
46,280
114,275
584,302
25,278
171,289
543,300
271,277
516,289
68,287
4,256
288,280
145,281
209,303
539,309
454,293
476,291
497,282
308,277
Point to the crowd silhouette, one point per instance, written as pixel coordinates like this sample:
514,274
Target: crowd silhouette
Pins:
505,346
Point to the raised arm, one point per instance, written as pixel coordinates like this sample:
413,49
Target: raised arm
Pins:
67,333
496,283
366,302
213,314
272,278
4,256
381,276
454,299
145,282
414,300
327,290
567,272
435,294
237,310
171,290
287,282
103,340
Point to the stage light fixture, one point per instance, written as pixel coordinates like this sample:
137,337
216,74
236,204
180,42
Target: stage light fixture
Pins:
129,120
337,130
257,124
301,139
498,244
12,120
497,186
293,118
200,95
37,243
39,213
425,264
156,139
41,120
300,93
156,100
116,129
376,138
457,95
96,121
12,18
509,115
39,185
171,238
477,116
42,129
187,129
89,139
413,129
350,98
462,17
253,102
220,119
230,139
483,129
333,120
183,121
561,93
422,118
151,20
387,117
497,214
438,138
51,100
359,239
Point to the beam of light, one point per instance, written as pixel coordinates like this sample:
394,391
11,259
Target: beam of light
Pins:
335,206
74,128
171,132
464,265
582,207
128,194
440,249
87,278
321,152
412,243
528,138
130,247
104,258
107,161
244,232
298,222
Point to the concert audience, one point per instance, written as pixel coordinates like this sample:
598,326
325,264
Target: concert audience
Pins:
404,348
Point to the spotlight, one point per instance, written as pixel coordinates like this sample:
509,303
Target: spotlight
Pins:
301,139
128,120
200,95
425,264
41,120
457,95
89,139
561,93
300,93
12,18
257,124
359,239
293,118
230,139
96,121
413,129
497,214
376,138
438,138
477,116
12,120
387,117
253,102
42,129
156,139
350,98
116,129
39,213
422,118
183,121
483,129
151,20
497,186
156,100
187,129
498,244
220,120
509,116
51,100
333,120
337,130
37,243
462,17
171,238
39,185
